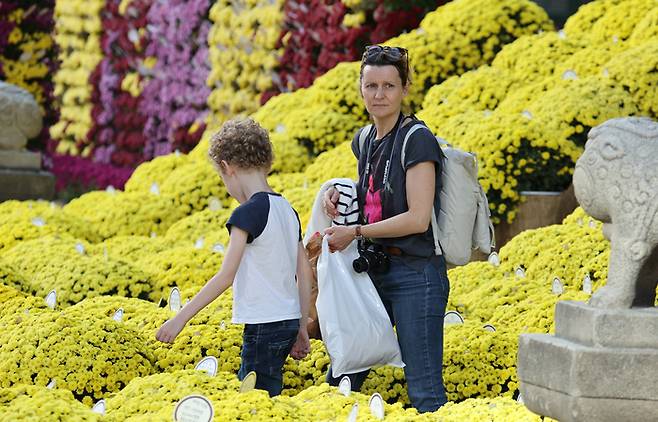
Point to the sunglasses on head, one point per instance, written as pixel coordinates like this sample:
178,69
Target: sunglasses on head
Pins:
390,53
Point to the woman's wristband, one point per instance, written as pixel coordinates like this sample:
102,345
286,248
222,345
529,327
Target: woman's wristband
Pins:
357,232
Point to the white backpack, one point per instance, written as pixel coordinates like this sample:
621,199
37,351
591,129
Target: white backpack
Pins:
464,220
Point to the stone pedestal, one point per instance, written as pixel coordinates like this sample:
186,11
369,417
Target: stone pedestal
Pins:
26,184
20,160
601,365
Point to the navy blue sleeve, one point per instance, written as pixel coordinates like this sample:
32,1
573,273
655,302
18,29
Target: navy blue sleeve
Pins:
355,144
251,216
299,224
422,146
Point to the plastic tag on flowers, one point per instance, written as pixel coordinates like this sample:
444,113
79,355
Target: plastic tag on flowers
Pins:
38,221
194,408
118,315
51,299
494,259
557,287
587,284
453,317
199,243
174,300
110,189
155,189
218,248
222,325
248,382
353,413
345,386
520,399
208,364
80,248
51,384
489,327
214,204
376,404
592,224
520,272
99,407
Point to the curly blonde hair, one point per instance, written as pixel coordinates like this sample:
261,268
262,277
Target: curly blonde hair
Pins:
242,143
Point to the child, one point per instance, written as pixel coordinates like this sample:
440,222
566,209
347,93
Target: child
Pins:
264,255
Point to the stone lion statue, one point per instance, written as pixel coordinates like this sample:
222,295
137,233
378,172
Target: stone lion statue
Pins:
20,117
616,181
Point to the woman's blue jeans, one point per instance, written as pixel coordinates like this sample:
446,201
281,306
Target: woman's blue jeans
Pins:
416,303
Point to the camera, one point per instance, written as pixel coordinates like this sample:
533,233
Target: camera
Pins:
371,258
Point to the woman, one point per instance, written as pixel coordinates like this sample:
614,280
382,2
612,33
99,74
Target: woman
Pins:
396,205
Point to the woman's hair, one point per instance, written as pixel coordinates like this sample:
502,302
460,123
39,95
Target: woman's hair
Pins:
377,55
243,143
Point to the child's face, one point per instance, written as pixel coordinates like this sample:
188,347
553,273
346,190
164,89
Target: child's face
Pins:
227,173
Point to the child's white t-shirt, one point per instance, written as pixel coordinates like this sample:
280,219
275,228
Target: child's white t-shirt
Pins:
265,287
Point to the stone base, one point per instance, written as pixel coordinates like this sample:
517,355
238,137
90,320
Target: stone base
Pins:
566,408
26,184
602,365
20,160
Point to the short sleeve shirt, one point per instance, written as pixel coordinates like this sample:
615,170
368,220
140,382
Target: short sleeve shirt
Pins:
265,286
421,147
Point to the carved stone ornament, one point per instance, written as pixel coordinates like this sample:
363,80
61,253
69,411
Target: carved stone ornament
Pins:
616,181
20,117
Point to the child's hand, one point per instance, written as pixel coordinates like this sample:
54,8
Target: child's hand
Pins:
302,346
169,330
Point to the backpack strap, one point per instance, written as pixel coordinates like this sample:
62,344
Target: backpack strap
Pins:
363,135
434,220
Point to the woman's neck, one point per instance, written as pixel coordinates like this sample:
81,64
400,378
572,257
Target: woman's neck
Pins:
385,124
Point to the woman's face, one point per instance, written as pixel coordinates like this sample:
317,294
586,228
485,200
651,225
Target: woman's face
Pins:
382,90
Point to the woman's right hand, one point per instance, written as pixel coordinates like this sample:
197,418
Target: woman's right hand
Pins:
330,200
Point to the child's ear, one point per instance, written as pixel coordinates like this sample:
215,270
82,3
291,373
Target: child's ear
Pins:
225,168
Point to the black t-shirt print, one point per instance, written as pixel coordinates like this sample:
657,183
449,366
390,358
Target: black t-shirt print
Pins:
421,147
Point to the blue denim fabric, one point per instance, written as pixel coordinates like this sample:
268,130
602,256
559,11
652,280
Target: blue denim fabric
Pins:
416,302
265,348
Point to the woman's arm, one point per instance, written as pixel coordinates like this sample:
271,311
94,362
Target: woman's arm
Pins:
420,184
213,288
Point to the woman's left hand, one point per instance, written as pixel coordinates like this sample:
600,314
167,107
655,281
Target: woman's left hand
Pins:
339,237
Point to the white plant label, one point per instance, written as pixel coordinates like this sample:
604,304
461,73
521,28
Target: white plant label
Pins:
376,404
175,300
222,325
110,189
580,222
453,317
199,243
353,413
587,284
592,224
118,315
569,75
99,407
38,221
194,408
520,399
489,327
155,189
214,204
209,365
520,272
80,248
51,384
345,386
494,259
556,286
218,248
527,114
51,299
248,382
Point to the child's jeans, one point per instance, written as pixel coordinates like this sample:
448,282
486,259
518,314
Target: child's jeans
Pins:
265,348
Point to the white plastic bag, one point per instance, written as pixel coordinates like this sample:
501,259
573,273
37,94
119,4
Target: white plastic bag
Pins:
355,326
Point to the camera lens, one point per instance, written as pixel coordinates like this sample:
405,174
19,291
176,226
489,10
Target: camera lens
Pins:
360,264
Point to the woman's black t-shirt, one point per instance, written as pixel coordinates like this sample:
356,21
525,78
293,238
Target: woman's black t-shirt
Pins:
421,146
